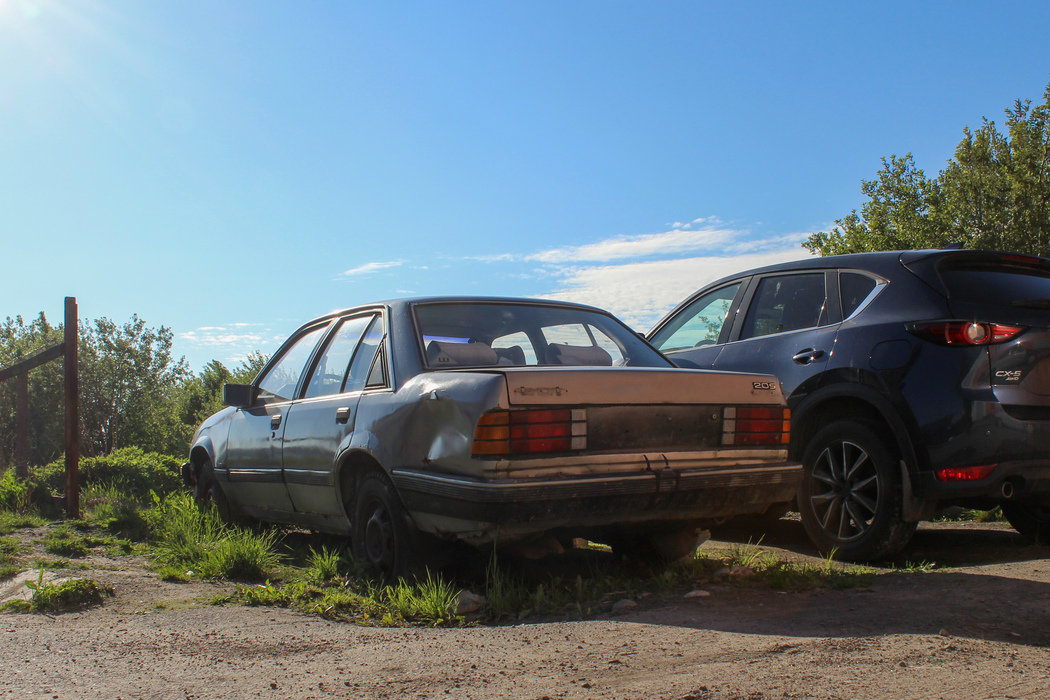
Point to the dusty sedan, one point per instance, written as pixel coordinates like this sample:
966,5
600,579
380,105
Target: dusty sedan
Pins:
518,422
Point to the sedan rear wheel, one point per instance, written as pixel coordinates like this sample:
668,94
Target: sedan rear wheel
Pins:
851,500
383,536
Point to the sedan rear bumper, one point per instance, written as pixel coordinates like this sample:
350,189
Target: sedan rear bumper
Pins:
476,510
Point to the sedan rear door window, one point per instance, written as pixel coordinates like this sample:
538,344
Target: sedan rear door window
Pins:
330,373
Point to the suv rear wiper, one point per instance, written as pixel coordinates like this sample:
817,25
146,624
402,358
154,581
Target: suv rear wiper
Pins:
1032,303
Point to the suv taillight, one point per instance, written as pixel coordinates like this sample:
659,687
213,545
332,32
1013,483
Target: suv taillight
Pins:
753,425
529,432
964,332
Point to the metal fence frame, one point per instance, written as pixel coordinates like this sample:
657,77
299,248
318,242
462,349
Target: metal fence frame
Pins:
67,350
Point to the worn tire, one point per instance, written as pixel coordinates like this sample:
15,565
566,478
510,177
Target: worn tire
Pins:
383,536
851,499
1031,520
207,492
657,548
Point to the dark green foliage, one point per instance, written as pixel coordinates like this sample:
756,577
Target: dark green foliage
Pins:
130,470
994,194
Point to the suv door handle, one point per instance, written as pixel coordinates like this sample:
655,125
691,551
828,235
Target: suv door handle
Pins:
275,421
342,414
804,357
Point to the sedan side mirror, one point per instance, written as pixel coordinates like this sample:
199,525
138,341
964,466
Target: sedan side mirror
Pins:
238,395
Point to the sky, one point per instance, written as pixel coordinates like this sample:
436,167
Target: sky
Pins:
232,169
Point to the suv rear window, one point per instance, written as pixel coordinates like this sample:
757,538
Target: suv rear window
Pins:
1000,285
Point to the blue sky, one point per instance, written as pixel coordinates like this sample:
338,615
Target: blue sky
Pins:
232,169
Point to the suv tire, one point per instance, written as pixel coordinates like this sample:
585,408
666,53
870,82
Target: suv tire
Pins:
851,500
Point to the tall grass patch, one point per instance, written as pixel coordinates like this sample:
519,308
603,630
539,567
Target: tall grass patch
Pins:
202,544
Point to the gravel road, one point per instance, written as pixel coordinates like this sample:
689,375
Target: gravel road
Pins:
976,627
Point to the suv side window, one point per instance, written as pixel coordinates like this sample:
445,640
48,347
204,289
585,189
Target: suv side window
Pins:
786,303
699,324
854,288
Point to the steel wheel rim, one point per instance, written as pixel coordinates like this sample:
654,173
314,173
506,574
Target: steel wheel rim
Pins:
379,537
846,494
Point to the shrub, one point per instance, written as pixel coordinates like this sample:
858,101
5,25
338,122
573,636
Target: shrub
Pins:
16,494
129,469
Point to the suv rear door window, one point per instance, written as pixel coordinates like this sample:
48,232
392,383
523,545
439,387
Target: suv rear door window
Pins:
854,288
786,303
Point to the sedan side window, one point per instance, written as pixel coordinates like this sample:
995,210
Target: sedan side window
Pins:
786,303
280,381
330,372
362,364
699,324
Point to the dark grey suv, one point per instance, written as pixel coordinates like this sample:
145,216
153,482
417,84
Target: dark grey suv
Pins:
916,380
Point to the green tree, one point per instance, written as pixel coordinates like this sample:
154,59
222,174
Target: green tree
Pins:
994,194
199,396
127,381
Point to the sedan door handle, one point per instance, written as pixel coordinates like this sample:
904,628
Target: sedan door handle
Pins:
804,357
342,415
275,421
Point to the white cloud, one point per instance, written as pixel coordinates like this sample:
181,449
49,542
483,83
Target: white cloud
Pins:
372,267
665,244
640,293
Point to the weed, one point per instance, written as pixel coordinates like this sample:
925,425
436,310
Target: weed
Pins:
9,522
324,566
115,507
56,597
431,601
66,543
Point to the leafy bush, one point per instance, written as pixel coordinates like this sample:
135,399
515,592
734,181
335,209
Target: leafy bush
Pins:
129,470
15,494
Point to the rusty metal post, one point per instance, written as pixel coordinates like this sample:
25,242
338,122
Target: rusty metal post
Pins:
22,426
72,409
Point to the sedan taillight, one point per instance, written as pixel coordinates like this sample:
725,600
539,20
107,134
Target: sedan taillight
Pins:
754,425
964,332
530,432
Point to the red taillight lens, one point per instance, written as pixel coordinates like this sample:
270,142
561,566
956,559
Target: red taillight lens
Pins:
753,425
964,332
975,473
528,432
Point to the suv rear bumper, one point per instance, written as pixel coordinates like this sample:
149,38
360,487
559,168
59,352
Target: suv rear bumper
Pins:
1022,480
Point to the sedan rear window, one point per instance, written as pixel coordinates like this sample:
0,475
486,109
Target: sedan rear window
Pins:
480,334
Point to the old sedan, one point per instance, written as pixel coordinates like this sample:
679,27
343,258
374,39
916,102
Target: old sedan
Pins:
518,422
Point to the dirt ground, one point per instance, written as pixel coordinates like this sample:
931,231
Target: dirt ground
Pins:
975,627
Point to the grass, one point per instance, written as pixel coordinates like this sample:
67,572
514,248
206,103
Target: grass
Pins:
50,597
200,544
